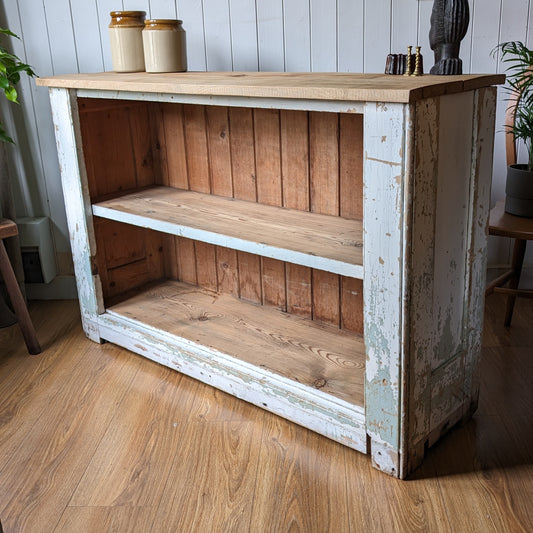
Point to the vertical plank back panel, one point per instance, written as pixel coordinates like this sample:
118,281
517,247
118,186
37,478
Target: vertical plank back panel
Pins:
326,297
206,265
324,172
299,293
227,271
219,150
107,145
250,277
196,146
268,156
130,256
351,304
324,162
351,166
273,280
295,159
174,146
242,153
186,260
145,156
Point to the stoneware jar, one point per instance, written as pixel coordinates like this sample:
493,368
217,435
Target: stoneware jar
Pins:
164,46
125,35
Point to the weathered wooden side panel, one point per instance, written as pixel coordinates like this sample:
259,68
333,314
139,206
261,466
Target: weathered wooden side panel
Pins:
451,224
384,249
79,217
480,186
450,215
422,262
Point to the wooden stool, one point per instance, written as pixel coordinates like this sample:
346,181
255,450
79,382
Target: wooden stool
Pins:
9,229
520,229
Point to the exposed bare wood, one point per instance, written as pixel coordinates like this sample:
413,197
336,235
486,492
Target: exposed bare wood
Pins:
352,87
172,143
295,159
243,154
313,354
324,162
186,212
196,148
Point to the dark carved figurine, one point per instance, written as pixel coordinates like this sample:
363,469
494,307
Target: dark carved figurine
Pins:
449,23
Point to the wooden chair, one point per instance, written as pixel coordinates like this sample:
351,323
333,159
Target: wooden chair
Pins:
505,225
9,229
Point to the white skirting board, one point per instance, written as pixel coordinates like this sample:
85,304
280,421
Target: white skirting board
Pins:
60,288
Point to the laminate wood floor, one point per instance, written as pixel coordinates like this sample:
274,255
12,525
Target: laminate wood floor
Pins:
96,439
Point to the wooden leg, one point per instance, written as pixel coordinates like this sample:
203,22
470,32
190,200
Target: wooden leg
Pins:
519,251
19,305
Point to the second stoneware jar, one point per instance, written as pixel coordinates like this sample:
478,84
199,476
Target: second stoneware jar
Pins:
125,35
164,46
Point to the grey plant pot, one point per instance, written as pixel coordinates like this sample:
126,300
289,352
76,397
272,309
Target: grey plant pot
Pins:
519,191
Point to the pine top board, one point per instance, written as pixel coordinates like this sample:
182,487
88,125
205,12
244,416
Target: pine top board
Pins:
303,85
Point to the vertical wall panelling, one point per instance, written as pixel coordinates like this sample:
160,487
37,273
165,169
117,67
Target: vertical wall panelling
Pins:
377,34
270,32
485,26
404,27
323,36
466,44
87,36
192,14
164,9
243,28
41,164
217,35
105,7
350,36
60,36
297,41
424,15
27,198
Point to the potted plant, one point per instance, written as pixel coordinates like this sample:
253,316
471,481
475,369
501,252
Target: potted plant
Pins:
11,68
519,185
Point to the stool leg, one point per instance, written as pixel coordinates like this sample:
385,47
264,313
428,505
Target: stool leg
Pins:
19,305
519,251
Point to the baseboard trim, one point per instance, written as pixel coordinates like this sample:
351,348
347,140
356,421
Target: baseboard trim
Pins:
60,288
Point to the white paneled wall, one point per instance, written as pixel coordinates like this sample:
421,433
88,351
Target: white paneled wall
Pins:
60,36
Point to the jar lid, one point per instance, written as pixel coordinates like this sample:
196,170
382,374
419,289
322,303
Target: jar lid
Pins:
127,18
162,24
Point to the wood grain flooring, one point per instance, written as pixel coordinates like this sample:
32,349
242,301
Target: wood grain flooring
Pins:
94,438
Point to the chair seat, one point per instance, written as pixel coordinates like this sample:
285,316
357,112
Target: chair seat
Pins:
507,225
521,230
7,228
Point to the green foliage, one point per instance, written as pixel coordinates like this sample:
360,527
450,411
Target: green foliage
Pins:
519,61
10,69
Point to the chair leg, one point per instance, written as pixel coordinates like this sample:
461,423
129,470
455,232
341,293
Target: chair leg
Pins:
19,305
519,251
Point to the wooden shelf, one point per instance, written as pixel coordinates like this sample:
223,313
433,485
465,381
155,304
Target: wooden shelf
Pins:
313,354
323,242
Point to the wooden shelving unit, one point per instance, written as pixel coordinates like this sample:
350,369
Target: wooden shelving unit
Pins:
293,239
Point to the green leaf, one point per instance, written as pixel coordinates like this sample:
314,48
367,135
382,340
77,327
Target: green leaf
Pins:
11,94
9,32
11,68
4,137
